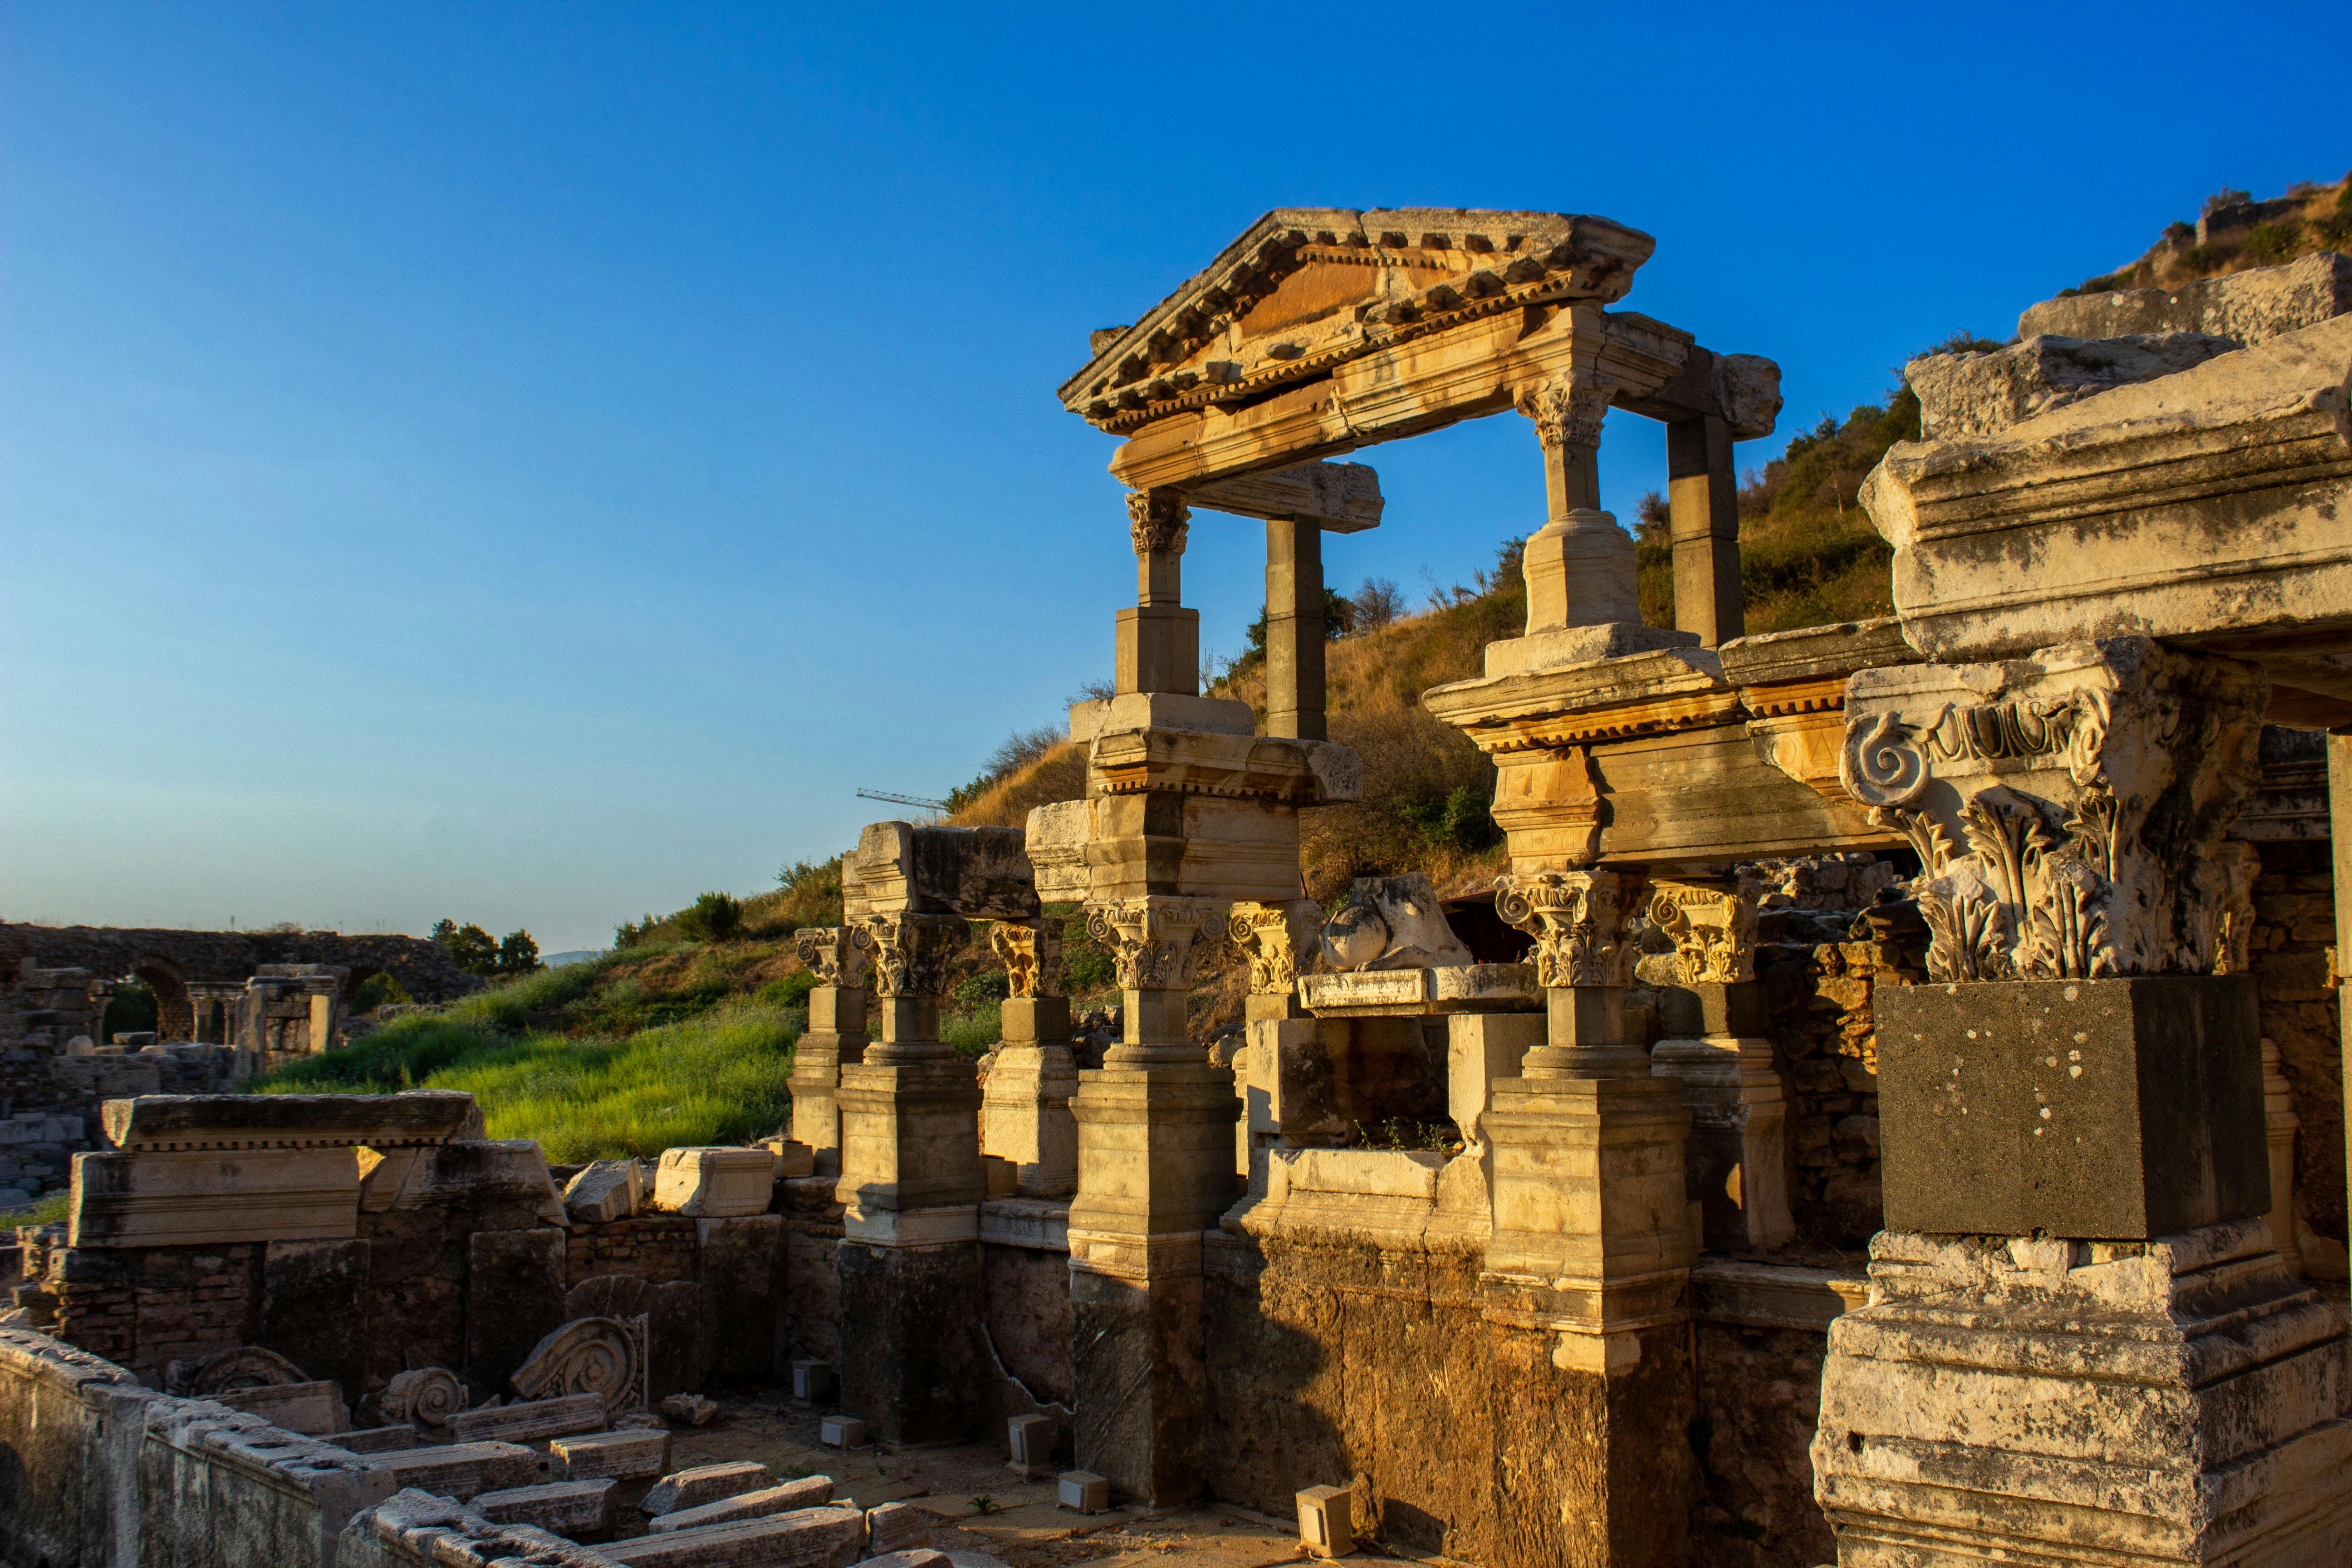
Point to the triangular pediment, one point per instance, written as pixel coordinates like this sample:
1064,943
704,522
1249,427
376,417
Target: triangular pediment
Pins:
1306,288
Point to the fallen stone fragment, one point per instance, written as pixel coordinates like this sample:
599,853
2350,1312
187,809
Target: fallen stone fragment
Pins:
530,1420
896,1525
461,1470
763,1504
918,1557
690,1408
625,1455
576,1509
607,1190
811,1538
701,1484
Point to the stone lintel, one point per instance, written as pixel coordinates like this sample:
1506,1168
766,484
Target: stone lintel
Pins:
193,1122
1338,498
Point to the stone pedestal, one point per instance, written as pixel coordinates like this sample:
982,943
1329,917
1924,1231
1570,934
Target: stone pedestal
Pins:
1719,1052
836,1036
2052,1401
1155,1171
911,1187
1026,1114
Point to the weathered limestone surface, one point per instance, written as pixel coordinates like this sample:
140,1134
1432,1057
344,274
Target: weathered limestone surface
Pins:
72,1424
211,1197
573,1510
699,1484
514,1296
459,1471
414,1528
187,1121
759,1503
2247,308
2206,505
2214,1431
808,1538
706,1182
606,1190
218,1485
1976,394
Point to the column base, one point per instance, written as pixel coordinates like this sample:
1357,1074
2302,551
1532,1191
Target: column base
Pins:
2119,1403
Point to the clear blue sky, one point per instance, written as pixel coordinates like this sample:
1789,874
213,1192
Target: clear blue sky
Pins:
533,462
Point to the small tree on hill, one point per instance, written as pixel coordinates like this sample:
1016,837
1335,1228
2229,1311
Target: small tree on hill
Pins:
469,947
712,917
518,954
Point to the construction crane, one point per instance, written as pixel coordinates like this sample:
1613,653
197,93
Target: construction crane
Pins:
883,794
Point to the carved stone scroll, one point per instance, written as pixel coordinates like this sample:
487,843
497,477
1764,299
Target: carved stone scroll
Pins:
424,1397
832,955
1031,951
2068,809
603,1356
1152,939
1578,921
226,1372
1279,940
1713,930
911,954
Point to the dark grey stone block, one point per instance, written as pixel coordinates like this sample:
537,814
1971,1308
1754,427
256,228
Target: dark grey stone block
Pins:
2094,1110
514,1298
909,1353
1691,1011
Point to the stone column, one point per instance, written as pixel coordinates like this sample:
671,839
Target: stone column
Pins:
1282,1074
911,1182
836,1036
1593,1241
2081,1345
1294,628
1155,1171
2340,824
1718,1048
1158,647
1025,1109
1702,501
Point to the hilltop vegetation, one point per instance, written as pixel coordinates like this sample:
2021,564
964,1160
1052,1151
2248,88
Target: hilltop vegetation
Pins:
2234,232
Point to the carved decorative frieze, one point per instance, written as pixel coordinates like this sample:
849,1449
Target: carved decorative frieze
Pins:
1280,942
911,954
1153,940
1568,410
1578,921
1031,951
1158,521
602,1356
2067,809
832,955
1713,930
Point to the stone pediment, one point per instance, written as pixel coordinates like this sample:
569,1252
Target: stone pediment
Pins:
1305,290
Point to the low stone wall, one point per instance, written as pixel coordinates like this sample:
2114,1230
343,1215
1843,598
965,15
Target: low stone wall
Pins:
71,1427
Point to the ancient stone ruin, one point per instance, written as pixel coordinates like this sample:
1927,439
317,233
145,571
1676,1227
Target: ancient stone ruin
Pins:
1905,1129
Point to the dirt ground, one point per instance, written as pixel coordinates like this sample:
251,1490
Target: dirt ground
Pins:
983,1506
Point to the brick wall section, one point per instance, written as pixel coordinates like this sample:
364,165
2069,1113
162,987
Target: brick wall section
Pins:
656,1248
1827,1052
143,1308
2295,925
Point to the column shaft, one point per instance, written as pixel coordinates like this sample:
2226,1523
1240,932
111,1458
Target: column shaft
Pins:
1702,499
1295,631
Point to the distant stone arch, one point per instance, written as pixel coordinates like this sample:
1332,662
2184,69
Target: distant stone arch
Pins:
175,1017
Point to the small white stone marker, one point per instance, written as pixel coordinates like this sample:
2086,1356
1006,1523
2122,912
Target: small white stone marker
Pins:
843,1432
1324,1525
813,1382
1029,1441
1085,1491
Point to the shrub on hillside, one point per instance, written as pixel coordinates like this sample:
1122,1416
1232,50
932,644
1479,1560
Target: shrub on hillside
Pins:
712,917
477,952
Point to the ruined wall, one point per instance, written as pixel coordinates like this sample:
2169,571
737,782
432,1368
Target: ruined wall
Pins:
1028,1318
811,1266
1379,1369
2294,926
168,959
655,1247
1759,1396
71,1425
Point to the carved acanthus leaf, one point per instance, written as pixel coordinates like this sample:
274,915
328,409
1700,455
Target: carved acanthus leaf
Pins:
1713,930
1281,941
1156,521
911,952
1568,410
832,955
1153,940
1578,921
1031,951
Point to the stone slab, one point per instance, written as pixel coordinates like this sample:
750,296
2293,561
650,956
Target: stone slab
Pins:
712,1182
514,1299
809,1538
315,1409
2116,1110
1339,498
214,1198
980,873
530,1420
574,1508
1400,993
194,1121
378,1439
625,1455
699,1484
313,1296
461,1470
812,1491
